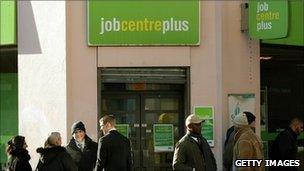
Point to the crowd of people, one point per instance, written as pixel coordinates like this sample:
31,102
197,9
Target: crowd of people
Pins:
192,152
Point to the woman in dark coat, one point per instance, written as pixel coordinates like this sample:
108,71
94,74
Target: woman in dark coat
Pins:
54,156
18,155
82,148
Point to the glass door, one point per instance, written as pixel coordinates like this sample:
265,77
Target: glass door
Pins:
141,111
126,109
159,108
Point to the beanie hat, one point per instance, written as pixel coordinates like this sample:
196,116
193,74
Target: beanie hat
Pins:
77,126
250,117
240,120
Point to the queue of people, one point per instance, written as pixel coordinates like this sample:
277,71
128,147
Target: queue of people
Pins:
113,151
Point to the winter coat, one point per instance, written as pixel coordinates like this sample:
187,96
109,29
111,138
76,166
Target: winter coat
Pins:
19,160
55,158
114,153
247,146
187,155
228,150
285,147
85,159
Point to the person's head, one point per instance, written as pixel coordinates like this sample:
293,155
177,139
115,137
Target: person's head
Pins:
17,142
106,123
54,139
296,125
194,124
250,118
78,131
240,121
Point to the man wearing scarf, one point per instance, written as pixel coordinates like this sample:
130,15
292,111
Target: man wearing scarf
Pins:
192,152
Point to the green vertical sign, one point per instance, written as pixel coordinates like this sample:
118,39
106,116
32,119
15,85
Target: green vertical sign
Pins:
7,22
143,22
206,113
163,137
123,129
295,35
268,19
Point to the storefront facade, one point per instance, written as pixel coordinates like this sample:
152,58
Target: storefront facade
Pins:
63,79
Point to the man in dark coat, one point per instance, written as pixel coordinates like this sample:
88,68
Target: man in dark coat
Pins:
114,150
285,145
192,152
81,148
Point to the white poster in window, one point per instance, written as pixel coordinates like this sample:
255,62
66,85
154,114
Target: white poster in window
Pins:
239,103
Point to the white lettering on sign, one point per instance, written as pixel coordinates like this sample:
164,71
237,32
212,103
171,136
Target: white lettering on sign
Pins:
144,25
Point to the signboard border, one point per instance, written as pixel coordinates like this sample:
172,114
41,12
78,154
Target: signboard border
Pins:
141,45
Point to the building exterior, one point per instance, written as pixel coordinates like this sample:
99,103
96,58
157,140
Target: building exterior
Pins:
62,79
65,76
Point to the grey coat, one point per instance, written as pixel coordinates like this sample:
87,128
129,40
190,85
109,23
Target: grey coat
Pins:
187,156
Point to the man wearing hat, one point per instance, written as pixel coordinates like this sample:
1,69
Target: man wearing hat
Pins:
247,144
82,148
192,152
229,142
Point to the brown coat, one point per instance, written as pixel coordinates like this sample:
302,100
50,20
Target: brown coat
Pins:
248,146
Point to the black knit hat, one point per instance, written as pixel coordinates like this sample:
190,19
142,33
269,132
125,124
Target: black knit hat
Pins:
250,117
77,126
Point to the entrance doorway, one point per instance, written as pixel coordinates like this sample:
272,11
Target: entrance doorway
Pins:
140,107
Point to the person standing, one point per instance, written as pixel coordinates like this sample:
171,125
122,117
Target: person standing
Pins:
18,155
192,152
229,142
285,145
247,144
82,148
114,150
54,156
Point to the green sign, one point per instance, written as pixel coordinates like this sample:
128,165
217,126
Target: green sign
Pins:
295,35
163,137
207,113
143,22
7,22
268,19
123,129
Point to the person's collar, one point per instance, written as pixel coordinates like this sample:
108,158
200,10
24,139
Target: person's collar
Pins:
292,132
80,142
194,138
112,129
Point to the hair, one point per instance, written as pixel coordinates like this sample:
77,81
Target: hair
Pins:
17,142
295,121
108,119
52,139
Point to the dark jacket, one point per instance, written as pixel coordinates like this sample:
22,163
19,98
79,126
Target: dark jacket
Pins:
285,147
55,158
187,155
114,153
228,149
86,159
19,160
